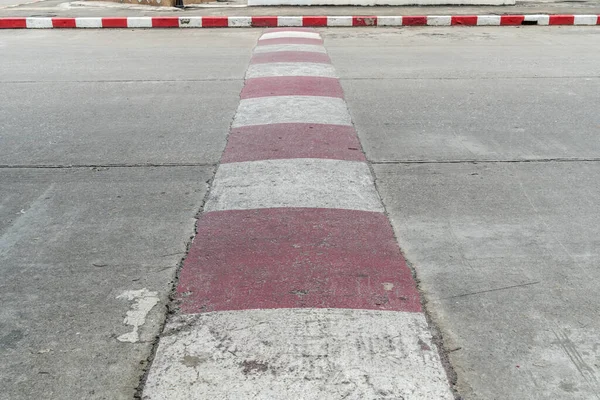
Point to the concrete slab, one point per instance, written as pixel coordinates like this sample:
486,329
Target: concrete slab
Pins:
505,251
507,257
88,254
116,122
463,94
128,54
470,119
73,242
119,97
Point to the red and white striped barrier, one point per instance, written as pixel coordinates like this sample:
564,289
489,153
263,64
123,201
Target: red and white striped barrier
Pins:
301,21
294,286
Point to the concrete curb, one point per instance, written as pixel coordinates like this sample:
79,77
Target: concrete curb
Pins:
298,21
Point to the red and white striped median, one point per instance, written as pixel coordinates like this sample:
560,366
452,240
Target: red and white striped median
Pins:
300,21
294,286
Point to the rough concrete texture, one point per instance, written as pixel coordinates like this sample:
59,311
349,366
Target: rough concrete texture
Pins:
290,69
88,255
505,252
297,182
298,353
73,242
292,109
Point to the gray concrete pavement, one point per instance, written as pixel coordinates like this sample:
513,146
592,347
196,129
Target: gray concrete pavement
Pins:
506,252
103,100
83,249
502,231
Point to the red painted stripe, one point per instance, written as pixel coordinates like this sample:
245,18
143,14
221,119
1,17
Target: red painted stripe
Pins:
63,23
13,23
364,21
215,22
470,20
165,22
414,21
309,20
264,21
292,86
116,22
290,56
562,20
285,141
266,42
295,258
512,19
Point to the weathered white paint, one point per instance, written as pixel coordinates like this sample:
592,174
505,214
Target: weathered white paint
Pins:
139,22
292,109
339,21
308,354
290,69
290,34
488,20
88,22
290,47
239,22
304,182
38,23
586,20
389,21
190,22
289,21
439,20
144,300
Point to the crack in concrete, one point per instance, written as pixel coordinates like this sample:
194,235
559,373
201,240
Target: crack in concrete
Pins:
490,290
115,165
492,161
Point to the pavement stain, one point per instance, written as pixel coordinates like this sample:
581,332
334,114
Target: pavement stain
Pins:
253,366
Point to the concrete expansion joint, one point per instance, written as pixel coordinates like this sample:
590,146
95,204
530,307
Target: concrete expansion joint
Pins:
489,161
104,166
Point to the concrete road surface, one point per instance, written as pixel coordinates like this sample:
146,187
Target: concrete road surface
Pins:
485,146
91,225
483,141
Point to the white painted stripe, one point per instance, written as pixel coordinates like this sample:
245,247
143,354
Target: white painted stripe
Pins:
88,22
586,20
389,21
290,47
289,21
39,23
541,19
339,21
299,182
488,20
308,354
290,69
139,22
441,20
190,22
290,34
239,22
292,109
